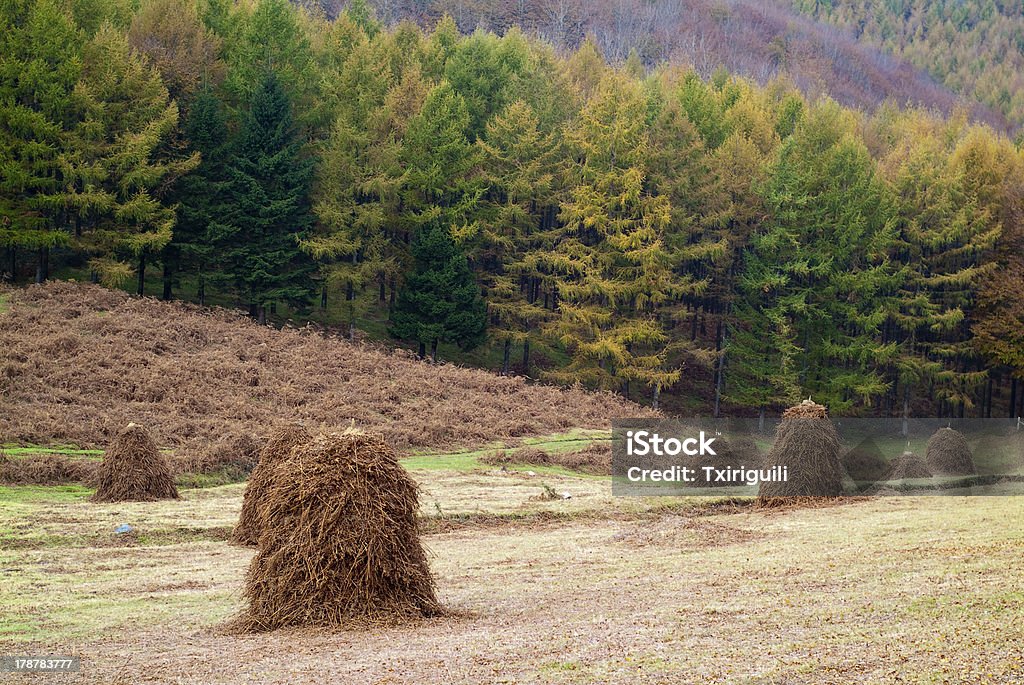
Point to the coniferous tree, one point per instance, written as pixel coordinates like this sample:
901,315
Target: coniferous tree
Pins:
440,301
40,62
200,194
267,210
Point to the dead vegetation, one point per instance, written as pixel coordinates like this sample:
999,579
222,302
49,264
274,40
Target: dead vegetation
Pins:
339,540
134,470
80,361
594,459
46,469
277,449
948,453
807,444
908,465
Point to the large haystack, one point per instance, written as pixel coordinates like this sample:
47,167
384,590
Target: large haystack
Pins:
340,543
807,444
908,465
865,462
948,453
277,449
134,470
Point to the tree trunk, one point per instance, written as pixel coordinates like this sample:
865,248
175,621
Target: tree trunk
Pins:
1013,397
273,307
141,290
382,291
12,253
526,357
433,350
43,265
988,399
262,310
656,399
168,282
504,361
720,368
202,290
323,297
760,421
905,429
423,350
393,291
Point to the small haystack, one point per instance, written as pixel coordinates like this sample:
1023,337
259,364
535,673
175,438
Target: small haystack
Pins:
908,465
278,448
340,544
807,444
134,470
948,453
865,462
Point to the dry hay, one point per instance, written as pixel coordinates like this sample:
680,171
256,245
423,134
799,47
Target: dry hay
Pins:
908,465
45,469
235,455
948,453
134,470
594,459
807,444
277,449
865,462
193,375
339,544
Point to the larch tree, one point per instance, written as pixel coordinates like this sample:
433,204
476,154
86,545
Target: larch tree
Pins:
40,63
118,171
614,267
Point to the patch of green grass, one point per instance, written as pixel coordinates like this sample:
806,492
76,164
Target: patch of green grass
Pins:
14,450
4,306
10,494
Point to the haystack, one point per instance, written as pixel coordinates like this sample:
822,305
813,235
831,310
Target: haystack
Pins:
134,470
865,462
340,543
807,444
908,465
277,449
949,453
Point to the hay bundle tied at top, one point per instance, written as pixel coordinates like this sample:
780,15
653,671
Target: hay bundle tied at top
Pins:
865,462
277,449
948,453
134,470
807,444
908,465
339,543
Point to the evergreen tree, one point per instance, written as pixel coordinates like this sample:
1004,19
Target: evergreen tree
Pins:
818,272
40,62
119,165
200,194
440,301
267,208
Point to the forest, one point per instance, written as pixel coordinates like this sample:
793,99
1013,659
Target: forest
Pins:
697,241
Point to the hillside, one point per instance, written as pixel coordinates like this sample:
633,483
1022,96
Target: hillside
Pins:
79,362
975,47
757,39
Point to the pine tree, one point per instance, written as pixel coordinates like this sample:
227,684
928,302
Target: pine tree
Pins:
521,167
200,194
118,166
40,62
614,267
440,301
818,273
267,207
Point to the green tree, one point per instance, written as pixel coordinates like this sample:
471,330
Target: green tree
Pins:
40,62
818,274
118,165
267,210
440,301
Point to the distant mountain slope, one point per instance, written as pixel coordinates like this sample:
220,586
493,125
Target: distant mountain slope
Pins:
975,47
759,39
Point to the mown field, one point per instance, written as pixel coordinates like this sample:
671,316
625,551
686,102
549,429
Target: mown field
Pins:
590,589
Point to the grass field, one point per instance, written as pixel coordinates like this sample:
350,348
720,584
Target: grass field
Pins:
591,589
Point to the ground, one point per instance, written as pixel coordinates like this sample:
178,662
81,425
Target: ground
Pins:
591,589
